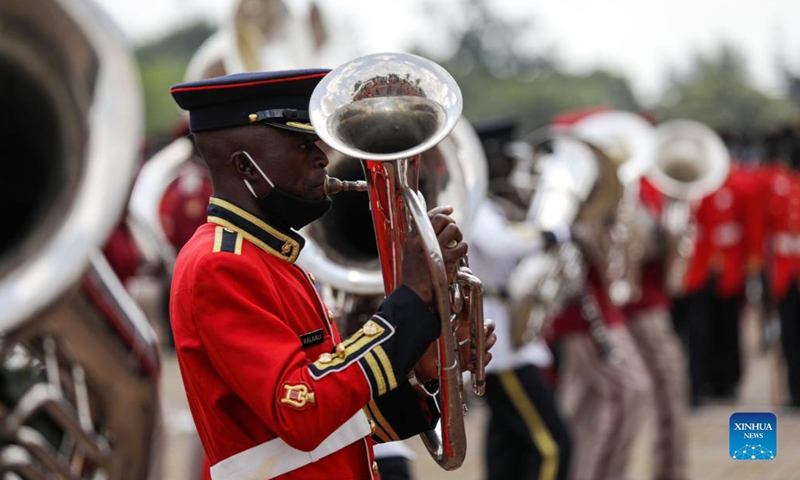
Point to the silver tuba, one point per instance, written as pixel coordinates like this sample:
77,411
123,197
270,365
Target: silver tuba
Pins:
691,161
387,110
80,365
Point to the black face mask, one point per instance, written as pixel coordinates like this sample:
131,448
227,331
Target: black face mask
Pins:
285,208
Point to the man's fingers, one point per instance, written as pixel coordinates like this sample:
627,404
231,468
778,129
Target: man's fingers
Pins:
450,232
444,210
440,221
489,326
490,341
486,359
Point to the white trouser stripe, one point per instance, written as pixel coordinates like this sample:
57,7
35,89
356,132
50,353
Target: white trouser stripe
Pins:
275,457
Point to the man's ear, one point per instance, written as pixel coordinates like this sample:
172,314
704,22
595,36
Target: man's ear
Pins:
244,167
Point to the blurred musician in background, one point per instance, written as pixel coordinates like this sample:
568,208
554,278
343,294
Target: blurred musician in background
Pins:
602,381
183,207
181,211
526,436
658,344
783,229
726,252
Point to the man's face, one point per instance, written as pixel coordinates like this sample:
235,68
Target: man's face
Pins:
293,161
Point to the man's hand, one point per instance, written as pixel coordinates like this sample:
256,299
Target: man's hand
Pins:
415,267
427,367
467,352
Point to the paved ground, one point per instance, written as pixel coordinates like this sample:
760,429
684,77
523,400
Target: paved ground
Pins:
707,439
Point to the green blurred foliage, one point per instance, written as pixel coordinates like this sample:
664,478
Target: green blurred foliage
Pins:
535,101
716,91
497,78
162,63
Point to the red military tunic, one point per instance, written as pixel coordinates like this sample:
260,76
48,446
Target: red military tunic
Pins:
256,348
783,227
571,320
761,178
725,239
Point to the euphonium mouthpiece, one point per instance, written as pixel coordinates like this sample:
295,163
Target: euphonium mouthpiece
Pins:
334,185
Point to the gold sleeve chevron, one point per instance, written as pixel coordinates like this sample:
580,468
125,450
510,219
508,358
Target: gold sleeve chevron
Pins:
364,347
382,431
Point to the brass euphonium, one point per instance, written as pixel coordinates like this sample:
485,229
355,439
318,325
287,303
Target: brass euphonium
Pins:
387,109
79,364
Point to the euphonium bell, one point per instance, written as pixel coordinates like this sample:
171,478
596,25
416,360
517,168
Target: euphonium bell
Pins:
387,109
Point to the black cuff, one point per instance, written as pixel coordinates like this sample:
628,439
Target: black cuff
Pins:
401,414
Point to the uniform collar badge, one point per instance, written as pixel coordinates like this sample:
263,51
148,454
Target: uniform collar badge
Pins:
280,243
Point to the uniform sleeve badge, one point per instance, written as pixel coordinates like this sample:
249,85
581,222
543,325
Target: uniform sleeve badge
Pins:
297,396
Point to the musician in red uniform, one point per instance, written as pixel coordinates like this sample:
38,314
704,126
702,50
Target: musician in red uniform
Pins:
783,229
274,390
724,253
602,381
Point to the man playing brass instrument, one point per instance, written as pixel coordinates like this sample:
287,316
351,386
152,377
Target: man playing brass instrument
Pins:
274,390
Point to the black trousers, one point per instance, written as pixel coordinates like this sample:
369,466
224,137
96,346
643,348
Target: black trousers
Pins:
711,324
527,438
789,310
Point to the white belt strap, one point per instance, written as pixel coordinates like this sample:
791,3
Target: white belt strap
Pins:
787,244
275,457
728,234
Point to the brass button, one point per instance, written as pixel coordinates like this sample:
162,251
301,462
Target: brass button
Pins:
375,468
331,316
341,352
372,426
312,278
326,358
370,329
